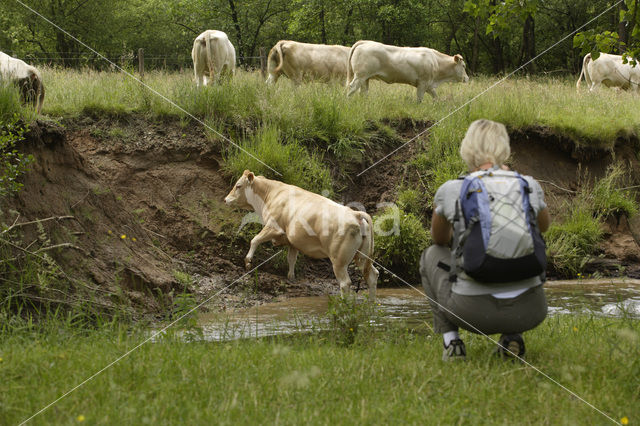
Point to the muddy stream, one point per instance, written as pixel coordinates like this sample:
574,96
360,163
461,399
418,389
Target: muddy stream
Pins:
606,297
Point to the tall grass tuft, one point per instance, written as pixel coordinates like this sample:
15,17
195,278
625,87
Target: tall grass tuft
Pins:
574,240
9,102
297,165
571,243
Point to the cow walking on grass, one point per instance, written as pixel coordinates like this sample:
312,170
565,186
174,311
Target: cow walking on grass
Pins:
610,71
27,78
212,54
308,223
299,60
421,67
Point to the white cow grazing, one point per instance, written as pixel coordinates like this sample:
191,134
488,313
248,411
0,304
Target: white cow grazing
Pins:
214,54
310,223
420,67
610,71
298,60
26,77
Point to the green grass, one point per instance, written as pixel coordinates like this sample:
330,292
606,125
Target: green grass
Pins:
323,112
392,377
295,164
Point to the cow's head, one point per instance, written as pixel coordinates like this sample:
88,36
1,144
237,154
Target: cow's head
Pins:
242,189
460,69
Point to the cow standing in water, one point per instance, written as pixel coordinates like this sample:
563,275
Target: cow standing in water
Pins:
26,77
610,71
421,67
299,60
212,54
309,223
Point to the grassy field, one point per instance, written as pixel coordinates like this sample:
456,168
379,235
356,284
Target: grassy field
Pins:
388,376
313,109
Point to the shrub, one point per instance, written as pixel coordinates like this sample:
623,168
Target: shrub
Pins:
411,201
9,101
348,317
400,240
12,163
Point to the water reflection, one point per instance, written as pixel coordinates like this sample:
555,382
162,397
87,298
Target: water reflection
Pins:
600,297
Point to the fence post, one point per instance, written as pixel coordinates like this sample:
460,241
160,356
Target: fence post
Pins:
141,62
263,63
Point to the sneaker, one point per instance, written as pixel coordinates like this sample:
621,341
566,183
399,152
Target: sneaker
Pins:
455,351
511,345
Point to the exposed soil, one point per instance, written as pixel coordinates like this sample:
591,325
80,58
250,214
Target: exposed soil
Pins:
147,206
562,169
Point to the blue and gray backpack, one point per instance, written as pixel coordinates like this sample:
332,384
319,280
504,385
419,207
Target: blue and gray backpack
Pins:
496,236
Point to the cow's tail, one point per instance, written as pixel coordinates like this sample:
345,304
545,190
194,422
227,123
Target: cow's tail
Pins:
349,67
366,253
207,43
278,48
585,71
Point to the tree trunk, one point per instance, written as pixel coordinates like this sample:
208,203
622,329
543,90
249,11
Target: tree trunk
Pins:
347,26
474,54
623,27
528,44
323,29
497,55
236,25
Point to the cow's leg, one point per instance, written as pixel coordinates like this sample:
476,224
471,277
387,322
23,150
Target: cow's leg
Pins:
342,275
365,87
355,84
267,233
292,256
371,277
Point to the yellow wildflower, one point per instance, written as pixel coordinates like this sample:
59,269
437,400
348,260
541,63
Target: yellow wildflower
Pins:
109,232
80,418
133,239
624,420
0,359
575,328
123,236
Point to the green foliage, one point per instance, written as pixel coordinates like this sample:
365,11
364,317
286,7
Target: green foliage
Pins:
9,101
297,166
13,163
348,317
411,201
571,244
400,240
624,38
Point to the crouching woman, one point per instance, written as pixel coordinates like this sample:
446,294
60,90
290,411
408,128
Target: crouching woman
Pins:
493,281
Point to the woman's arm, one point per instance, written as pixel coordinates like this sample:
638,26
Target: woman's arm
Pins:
544,220
440,229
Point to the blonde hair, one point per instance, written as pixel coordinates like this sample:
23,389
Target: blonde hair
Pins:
486,141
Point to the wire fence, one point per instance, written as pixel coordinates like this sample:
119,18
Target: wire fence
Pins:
130,60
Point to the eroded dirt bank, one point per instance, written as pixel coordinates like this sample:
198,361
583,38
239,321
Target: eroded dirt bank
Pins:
148,214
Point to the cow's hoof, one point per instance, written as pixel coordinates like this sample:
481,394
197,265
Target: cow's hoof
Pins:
247,263
291,277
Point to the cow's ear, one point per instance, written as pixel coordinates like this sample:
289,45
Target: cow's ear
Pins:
457,58
250,177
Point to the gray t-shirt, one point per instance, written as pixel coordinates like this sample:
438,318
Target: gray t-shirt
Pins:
445,202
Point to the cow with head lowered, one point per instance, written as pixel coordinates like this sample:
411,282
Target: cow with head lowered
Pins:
27,78
610,71
298,61
421,67
213,55
309,223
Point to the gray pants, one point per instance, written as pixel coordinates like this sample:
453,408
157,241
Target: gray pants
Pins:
479,314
